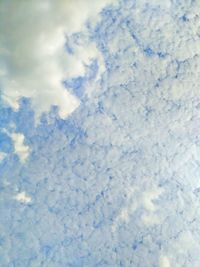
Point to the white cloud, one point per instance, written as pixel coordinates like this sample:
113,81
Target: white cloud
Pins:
33,61
135,200
20,148
150,217
164,261
23,197
149,197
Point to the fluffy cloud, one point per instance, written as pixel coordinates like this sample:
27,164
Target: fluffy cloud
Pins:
23,197
21,150
33,59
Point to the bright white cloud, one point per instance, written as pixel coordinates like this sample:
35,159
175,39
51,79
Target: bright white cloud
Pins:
23,197
33,61
21,149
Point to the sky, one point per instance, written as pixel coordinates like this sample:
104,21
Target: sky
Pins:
99,133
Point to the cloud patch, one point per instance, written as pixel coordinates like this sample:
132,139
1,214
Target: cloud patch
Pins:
33,59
